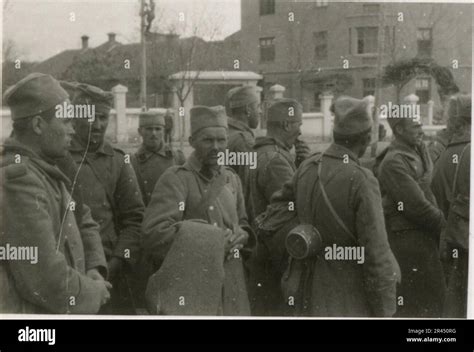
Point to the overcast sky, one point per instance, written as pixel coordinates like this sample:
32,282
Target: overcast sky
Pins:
42,28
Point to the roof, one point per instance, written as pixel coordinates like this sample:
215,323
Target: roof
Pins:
217,75
165,54
57,64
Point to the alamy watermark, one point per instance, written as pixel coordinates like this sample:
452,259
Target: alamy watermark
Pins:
27,253
397,111
229,158
335,252
37,335
75,111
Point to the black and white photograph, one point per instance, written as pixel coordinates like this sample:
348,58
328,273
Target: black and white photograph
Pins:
277,159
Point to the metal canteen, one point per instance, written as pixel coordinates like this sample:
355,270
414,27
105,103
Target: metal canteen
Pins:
303,241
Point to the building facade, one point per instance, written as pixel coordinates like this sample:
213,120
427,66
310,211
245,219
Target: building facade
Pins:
312,47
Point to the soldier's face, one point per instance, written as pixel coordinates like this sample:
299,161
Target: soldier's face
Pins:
96,128
294,131
207,143
56,137
152,136
255,112
411,132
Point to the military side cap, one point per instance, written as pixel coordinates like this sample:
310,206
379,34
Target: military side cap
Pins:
205,116
150,118
82,93
241,96
351,116
34,94
459,107
285,109
228,109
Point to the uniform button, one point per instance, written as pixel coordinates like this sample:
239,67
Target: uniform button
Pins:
211,207
145,182
215,224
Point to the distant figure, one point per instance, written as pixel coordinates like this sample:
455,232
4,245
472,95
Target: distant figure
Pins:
168,126
153,157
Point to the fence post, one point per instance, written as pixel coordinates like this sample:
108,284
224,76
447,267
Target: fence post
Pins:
276,91
430,112
120,106
326,101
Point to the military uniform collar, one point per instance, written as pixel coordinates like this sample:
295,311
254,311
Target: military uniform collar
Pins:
239,125
404,148
460,139
193,164
47,165
105,148
144,154
261,141
339,152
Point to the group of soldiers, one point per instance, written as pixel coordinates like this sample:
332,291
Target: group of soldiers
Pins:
158,233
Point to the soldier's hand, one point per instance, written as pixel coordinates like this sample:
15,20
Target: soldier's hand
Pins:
104,292
114,266
227,242
239,237
237,240
302,151
94,275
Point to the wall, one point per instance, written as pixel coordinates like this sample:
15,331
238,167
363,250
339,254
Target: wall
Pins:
452,39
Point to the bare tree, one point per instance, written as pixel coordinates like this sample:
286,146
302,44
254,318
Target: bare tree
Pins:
185,46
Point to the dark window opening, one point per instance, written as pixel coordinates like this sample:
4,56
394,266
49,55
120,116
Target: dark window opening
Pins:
368,86
267,49
321,45
367,40
425,42
267,7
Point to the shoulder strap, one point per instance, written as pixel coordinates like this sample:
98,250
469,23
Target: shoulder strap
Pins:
457,170
329,205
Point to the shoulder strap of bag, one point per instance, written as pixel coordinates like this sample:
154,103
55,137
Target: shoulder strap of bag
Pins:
329,204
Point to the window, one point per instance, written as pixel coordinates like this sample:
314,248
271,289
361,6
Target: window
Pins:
322,3
321,45
371,8
423,89
267,7
368,85
267,49
425,41
367,40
